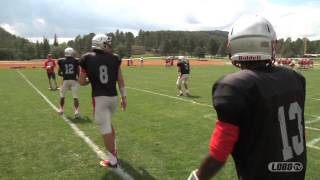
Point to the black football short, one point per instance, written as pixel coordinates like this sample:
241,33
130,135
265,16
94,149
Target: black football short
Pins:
51,75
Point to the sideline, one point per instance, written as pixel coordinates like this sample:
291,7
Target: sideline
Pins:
95,148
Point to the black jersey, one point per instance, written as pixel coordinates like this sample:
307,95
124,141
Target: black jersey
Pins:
69,68
184,67
268,107
102,71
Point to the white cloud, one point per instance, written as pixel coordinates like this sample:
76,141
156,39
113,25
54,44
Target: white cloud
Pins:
9,28
70,18
295,21
39,23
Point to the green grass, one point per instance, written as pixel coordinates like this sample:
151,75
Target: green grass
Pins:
158,137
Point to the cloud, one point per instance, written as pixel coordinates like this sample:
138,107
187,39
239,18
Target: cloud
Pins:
39,22
67,19
295,21
9,28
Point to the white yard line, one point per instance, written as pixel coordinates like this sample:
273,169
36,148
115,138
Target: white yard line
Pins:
312,128
317,119
172,97
315,99
313,143
201,104
95,148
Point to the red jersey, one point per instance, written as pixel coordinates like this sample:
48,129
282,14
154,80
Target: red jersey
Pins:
50,64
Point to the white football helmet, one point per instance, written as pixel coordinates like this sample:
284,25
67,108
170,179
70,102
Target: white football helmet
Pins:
182,58
252,39
101,41
69,52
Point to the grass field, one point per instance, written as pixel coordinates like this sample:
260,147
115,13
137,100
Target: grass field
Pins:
160,136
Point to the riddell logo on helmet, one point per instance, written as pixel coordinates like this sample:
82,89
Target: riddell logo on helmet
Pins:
249,58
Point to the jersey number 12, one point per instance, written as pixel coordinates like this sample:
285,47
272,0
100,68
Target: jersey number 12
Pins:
103,74
69,68
295,113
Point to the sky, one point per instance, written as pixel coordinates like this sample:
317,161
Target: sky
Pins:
34,19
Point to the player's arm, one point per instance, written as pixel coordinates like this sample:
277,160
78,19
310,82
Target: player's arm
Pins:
54,63
122,90
179,69
223,138
60,72
83,77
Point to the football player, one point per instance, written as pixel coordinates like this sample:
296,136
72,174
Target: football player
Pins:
102,70
260,110
49,65
183,76
69,70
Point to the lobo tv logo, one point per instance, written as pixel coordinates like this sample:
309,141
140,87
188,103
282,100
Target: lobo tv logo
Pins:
285,166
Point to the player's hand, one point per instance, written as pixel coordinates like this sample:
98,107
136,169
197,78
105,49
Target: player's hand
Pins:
123,103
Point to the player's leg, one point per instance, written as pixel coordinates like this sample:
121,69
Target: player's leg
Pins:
54,79
49,80
74,90
103,114
185,84
62,93
179,82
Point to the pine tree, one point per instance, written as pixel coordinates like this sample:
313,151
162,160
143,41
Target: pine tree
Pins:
55,42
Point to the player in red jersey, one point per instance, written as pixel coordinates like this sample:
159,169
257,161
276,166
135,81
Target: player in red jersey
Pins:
260,111
49,65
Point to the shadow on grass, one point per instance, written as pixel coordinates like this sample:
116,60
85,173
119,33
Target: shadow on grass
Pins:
80,120
137,174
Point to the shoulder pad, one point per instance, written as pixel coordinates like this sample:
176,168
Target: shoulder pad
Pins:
88,54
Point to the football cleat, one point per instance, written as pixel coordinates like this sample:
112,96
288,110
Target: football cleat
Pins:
60,111
107,163
76,113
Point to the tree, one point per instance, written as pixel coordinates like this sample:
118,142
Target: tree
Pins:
165,48
213,47
121,50
38,50
57,52
191,46
199,52
55,42
223,50
46,47
137,50
286,50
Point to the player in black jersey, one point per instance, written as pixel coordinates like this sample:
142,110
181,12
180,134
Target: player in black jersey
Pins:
183,76
102,70
69,70
260,111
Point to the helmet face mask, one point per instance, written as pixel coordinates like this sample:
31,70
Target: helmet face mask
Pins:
101,42
69,52
252,39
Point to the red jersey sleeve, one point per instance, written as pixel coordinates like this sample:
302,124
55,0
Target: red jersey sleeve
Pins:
223,138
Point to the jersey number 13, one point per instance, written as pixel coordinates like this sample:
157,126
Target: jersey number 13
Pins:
295,113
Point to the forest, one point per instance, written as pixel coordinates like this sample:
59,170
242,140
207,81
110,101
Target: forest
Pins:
145,43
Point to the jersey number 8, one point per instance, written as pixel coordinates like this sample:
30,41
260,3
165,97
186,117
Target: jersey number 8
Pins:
295,113
103,73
